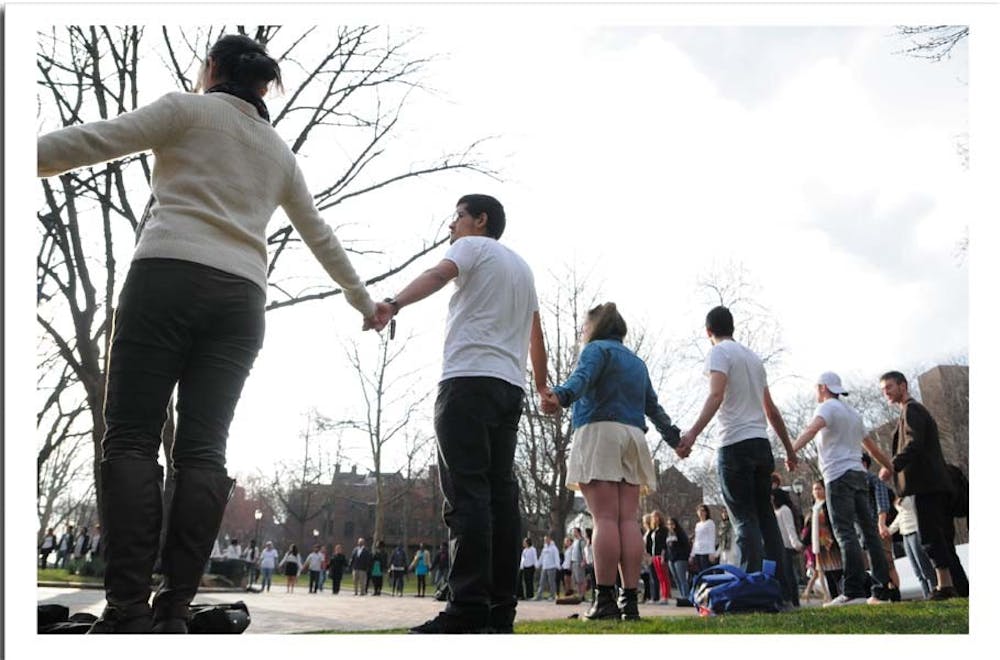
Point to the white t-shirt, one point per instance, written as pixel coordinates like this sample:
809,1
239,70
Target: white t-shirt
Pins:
704,538
490,313
314,562
233,552
269,558
529,557
741,415
840,440
550,556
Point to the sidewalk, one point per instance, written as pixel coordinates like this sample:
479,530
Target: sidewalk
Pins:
278,612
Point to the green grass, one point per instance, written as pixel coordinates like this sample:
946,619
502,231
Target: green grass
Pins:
913,618
63,575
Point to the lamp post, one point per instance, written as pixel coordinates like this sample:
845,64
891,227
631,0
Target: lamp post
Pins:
797,487
257,515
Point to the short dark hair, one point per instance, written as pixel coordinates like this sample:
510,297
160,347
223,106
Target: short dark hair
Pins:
606,322
866,459
241,60
719,321
496,219
895,377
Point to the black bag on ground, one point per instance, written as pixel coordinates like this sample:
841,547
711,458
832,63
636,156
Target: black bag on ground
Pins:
220,619
55,620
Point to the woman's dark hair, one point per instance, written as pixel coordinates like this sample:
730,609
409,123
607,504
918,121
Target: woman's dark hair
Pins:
496,219
606,322
241,60
708,512
527,541
294,549
719,321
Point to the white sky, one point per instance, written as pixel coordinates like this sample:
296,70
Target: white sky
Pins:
649,145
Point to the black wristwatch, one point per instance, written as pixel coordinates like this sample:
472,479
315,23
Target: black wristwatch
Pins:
395,305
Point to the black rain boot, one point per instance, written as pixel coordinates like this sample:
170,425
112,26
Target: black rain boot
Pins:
629,604
605,606
132,515
193,521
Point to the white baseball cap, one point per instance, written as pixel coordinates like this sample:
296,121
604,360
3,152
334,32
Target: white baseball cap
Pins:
832,382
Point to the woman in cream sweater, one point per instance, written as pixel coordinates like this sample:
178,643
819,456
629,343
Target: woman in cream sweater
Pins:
190,315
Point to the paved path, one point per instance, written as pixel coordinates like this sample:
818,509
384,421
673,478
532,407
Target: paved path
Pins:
278,612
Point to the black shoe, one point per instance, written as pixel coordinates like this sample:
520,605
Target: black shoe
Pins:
448,624
628,603
894,595
136,619
604,606
944,594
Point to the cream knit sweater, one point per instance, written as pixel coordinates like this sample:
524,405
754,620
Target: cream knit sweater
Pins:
219,174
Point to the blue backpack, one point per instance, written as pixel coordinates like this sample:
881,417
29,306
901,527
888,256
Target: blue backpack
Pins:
725,588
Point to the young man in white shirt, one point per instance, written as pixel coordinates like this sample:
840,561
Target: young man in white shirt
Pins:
841,435
738,392
493,325
549,562
314,564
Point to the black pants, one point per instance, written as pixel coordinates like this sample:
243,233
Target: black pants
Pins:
476,420
937,535
313,581
528,582
337,577
189,325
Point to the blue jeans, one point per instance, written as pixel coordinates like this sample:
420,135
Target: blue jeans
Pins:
921,564
679,574
745,477
847,501
265,578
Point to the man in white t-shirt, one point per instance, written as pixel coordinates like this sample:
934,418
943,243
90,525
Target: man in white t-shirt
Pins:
841,436
738,392
493,325
549,562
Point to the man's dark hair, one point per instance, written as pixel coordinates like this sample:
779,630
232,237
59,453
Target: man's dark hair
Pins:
895,377
719,321
866,459
496,219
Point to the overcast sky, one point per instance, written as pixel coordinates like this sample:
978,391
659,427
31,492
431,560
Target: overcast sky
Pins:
647,146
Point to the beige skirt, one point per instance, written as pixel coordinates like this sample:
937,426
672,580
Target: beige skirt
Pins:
610,451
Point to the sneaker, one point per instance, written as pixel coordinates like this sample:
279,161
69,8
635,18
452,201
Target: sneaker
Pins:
845,600
876,600
448,624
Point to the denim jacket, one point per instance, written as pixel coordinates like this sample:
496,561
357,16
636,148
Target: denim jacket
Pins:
611,384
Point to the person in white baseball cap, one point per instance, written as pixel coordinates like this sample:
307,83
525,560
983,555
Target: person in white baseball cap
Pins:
841,436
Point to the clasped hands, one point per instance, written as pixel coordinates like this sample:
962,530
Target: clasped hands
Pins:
377,321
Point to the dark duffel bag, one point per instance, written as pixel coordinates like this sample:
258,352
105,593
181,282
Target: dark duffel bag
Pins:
220,619
55,620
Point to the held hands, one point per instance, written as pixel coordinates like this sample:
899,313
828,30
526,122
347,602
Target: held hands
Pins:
885,474
791,462
550,402
383,314
883,531
683,447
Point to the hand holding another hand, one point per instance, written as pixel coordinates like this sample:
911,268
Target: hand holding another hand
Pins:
683,448
550,402
383,314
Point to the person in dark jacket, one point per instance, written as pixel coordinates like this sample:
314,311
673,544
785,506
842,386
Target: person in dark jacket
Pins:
361,563
338,562
656,548
678,550
919,469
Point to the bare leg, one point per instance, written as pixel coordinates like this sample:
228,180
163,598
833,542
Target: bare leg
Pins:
602,500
